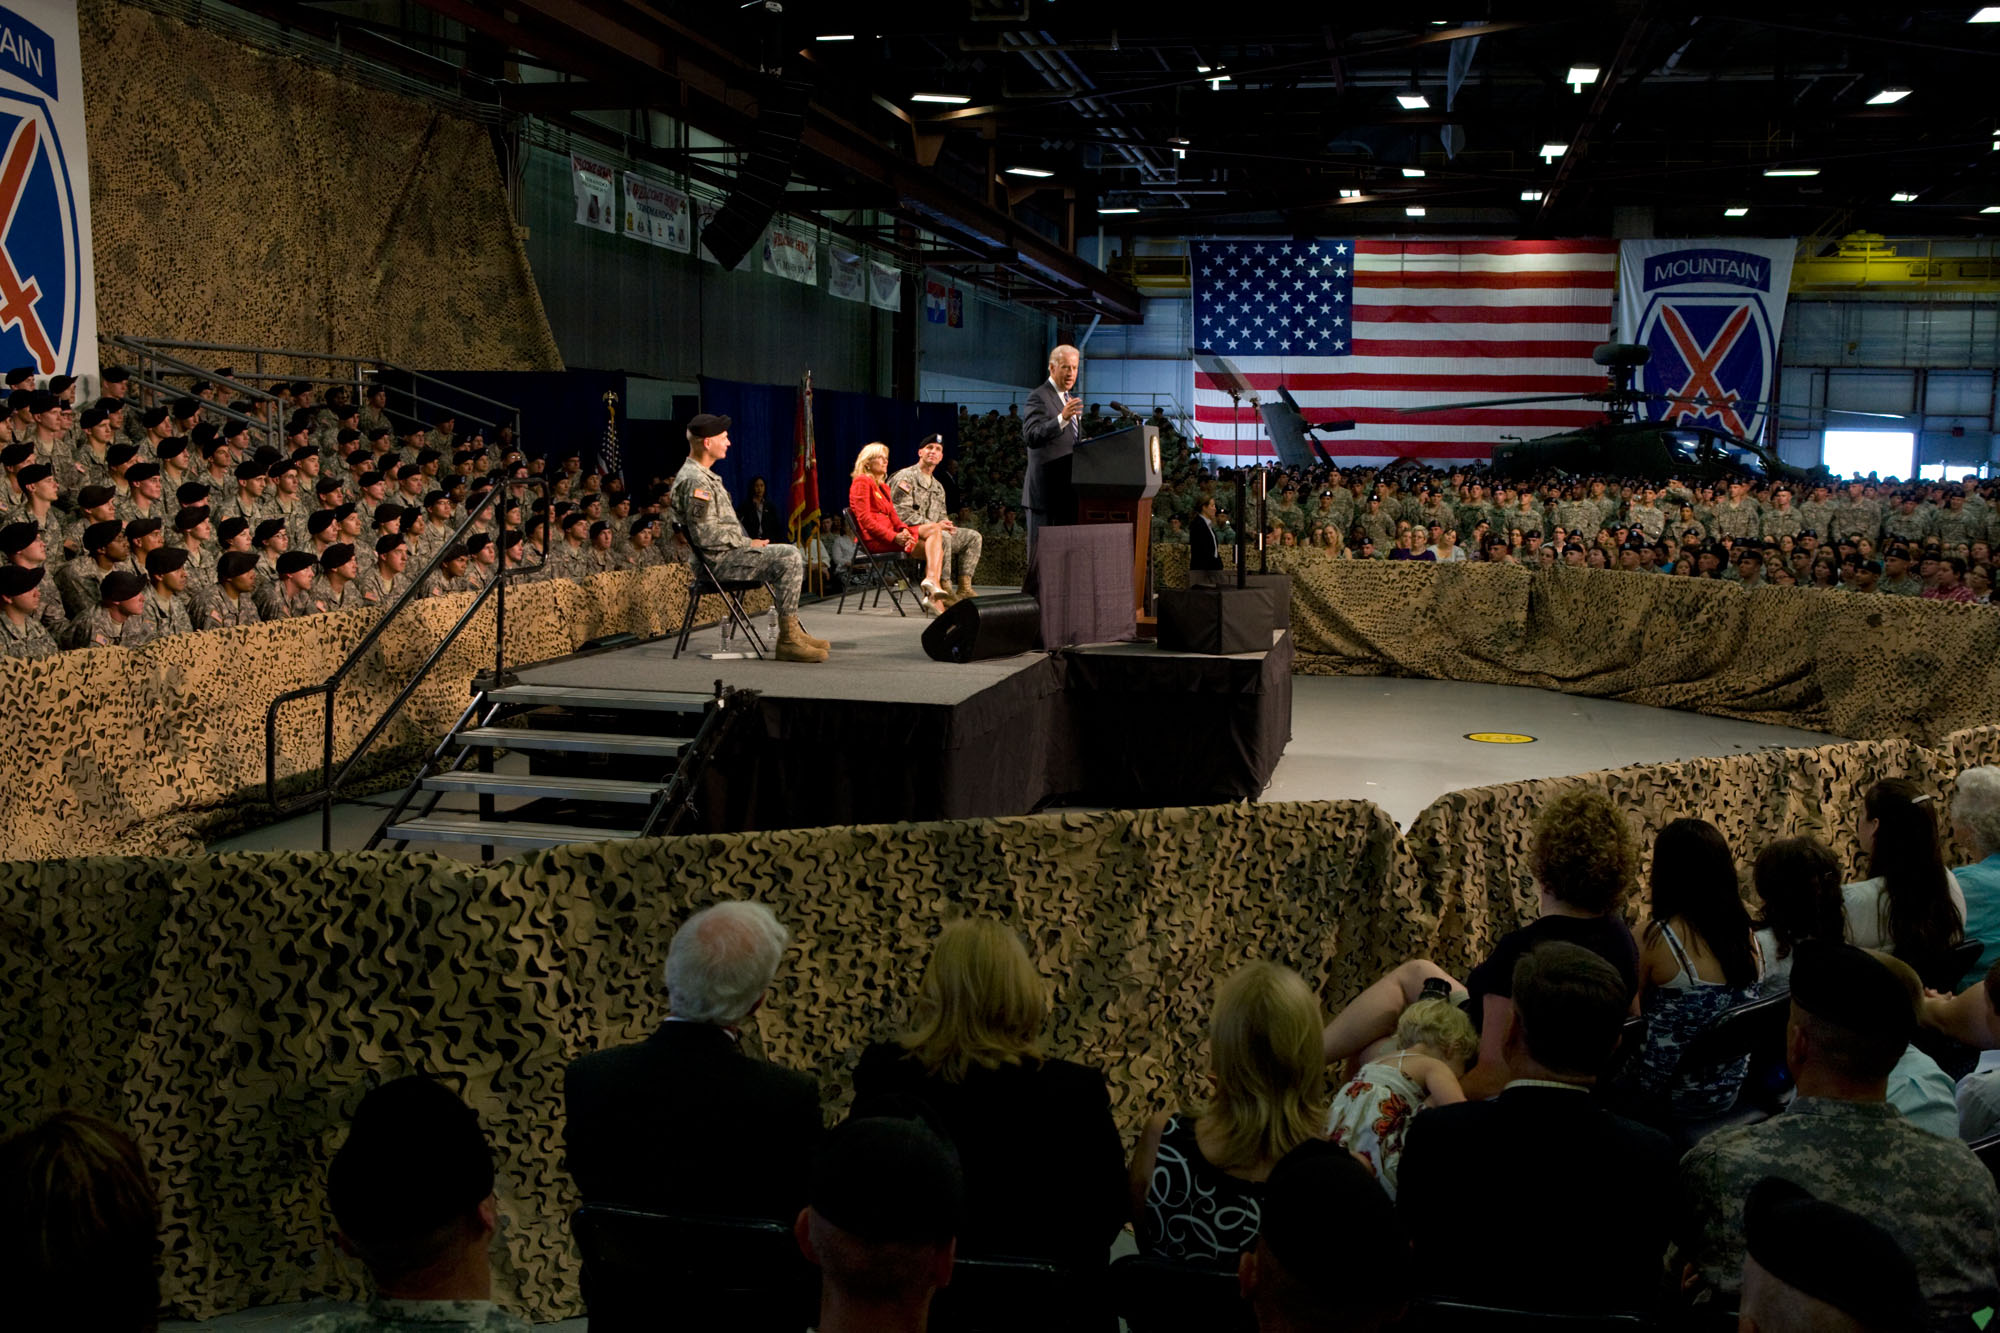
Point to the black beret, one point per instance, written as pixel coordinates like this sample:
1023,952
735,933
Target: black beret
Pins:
142,527
455,551
347,412
1833,1255
300,386
153,416
227,530
185,408
644,522
165,560
378,432
20,374
408,470
320,520
478,542
190,517
574,518
282,467
388,513
120,453
232,564
114,375
705,426
93,417
883,1178
266,530
40,401
120,585
299,424
92,496
327,486
367,479
291,562
434,497
336,555
33,473
250,470
425,457
388,542
231,429
191,493
347,437
17,579
171,447
100,535
415,1158
16,454
1843,985
57,383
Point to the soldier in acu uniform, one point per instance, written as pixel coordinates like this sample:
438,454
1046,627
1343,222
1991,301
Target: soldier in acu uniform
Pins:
701,506
22,633
293,592
120,618
1781,520
233,600
167,578
919,499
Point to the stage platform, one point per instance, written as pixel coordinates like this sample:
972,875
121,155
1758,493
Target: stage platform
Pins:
881,733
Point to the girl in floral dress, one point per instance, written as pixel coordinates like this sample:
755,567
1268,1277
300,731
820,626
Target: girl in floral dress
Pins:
1371,1114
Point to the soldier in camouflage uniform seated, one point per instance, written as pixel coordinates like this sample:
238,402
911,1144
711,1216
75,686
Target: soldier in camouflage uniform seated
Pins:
701,506
412,1196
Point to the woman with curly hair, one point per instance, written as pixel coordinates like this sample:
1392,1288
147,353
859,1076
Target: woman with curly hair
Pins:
1585,859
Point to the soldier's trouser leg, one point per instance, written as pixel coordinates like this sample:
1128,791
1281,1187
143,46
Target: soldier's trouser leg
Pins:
781,568
961,551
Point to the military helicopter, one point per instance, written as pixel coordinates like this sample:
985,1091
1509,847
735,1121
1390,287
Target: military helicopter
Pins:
1623,445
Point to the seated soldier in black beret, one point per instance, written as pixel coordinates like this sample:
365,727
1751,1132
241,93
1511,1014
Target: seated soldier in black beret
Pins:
1814,1267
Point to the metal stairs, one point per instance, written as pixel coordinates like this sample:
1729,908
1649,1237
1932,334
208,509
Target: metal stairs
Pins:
586,765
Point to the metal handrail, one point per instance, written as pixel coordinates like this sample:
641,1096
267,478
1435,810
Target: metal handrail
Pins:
338,358
328,793
273,428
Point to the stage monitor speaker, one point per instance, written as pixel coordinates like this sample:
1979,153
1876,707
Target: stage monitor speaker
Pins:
982,627
760,182
1220,621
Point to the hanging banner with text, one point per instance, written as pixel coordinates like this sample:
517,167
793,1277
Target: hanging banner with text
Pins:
657,214
934,301
48,284
791,254
705,213
1712,312
591,180
846,275
885,286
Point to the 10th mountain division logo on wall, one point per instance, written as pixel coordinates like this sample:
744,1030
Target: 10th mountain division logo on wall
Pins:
41,287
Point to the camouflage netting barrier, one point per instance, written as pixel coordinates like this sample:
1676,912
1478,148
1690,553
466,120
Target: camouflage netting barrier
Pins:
1870,668
242,197
233,1009
139,751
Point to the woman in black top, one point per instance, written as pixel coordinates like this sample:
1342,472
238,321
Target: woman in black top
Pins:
760,518
1044,1165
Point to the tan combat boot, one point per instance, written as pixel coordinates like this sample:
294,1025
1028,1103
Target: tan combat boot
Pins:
793,646
964,589
812,639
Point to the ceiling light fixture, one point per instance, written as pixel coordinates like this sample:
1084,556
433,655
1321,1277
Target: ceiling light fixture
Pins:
835,37
1105,212
1991,208
1990,14
1413,211
1902,198
1350,194
1531,196
949,99
1413,171
1552,151
1413,101
1888,97
1579,75
1792,171
1734,212
1036,172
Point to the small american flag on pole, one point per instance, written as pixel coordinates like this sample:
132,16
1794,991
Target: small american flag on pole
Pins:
608,455
1358,328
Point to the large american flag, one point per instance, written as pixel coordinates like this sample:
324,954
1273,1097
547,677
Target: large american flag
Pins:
1356,329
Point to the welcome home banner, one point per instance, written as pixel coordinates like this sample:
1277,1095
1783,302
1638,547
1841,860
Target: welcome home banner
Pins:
1712,312
791,253
48,284
591,181
658,214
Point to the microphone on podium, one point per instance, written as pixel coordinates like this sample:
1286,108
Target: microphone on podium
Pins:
1123,410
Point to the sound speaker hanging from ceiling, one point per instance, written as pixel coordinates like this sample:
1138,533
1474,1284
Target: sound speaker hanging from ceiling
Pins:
760,182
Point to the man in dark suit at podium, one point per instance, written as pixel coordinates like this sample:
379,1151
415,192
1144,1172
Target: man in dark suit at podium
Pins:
685,1121
1204,547
1051,431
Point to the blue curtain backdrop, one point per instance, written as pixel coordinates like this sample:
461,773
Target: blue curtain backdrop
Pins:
764,421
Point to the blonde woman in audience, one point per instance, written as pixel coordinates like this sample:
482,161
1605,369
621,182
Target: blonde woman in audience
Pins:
1043,1160
1198,1179
1372,1113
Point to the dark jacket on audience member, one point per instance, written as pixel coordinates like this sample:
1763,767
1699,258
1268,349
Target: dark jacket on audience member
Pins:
1204,552
1044,1165
1539,1198
684,1122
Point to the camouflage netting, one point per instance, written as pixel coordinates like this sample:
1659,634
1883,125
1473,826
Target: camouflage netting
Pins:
137,751
1867,667
242,197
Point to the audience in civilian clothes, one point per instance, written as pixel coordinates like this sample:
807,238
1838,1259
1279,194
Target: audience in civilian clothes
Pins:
1331,1256
1584,858
1798,884
1044,1164
1973,1018
1910,904
1197,1178
79,1228
645,1121
412,1193
1699,961
1371,1114
1544,1159
1975,817
887,1203
1853,1014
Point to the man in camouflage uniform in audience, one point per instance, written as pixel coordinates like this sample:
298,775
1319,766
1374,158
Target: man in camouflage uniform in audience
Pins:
1738,518
22,631
120,620
1781,519
166,603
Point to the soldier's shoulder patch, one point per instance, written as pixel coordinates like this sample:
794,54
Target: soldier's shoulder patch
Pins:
699,493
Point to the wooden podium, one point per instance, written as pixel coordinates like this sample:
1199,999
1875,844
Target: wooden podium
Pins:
1116,476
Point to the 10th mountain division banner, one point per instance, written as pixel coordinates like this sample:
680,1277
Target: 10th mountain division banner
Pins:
1712,312
48,288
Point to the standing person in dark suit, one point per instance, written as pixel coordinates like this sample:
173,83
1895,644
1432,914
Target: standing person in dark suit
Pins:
685,1122
1204,547
760,518
1050,430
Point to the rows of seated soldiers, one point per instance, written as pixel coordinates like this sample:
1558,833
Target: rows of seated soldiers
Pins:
120,525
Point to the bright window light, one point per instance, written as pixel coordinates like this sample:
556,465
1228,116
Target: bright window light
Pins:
1413,212
1792,171
1952,472
1036,172
1735,212
1531,196
1990,14
1412,101
1552,151
1856,453
1413,171
949,99
1888,96
1902,197
1579,75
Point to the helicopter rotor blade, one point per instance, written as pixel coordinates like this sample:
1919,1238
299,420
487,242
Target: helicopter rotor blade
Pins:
1701,405
1503,402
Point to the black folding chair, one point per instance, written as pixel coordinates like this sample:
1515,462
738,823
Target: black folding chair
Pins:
706,584
880,571
644,1270
1756,1029
1964,956
1003,1295
1155,1296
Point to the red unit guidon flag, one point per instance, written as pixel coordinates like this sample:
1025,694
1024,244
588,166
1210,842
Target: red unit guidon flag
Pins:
1356,329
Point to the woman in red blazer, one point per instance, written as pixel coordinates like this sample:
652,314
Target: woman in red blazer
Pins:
882,529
